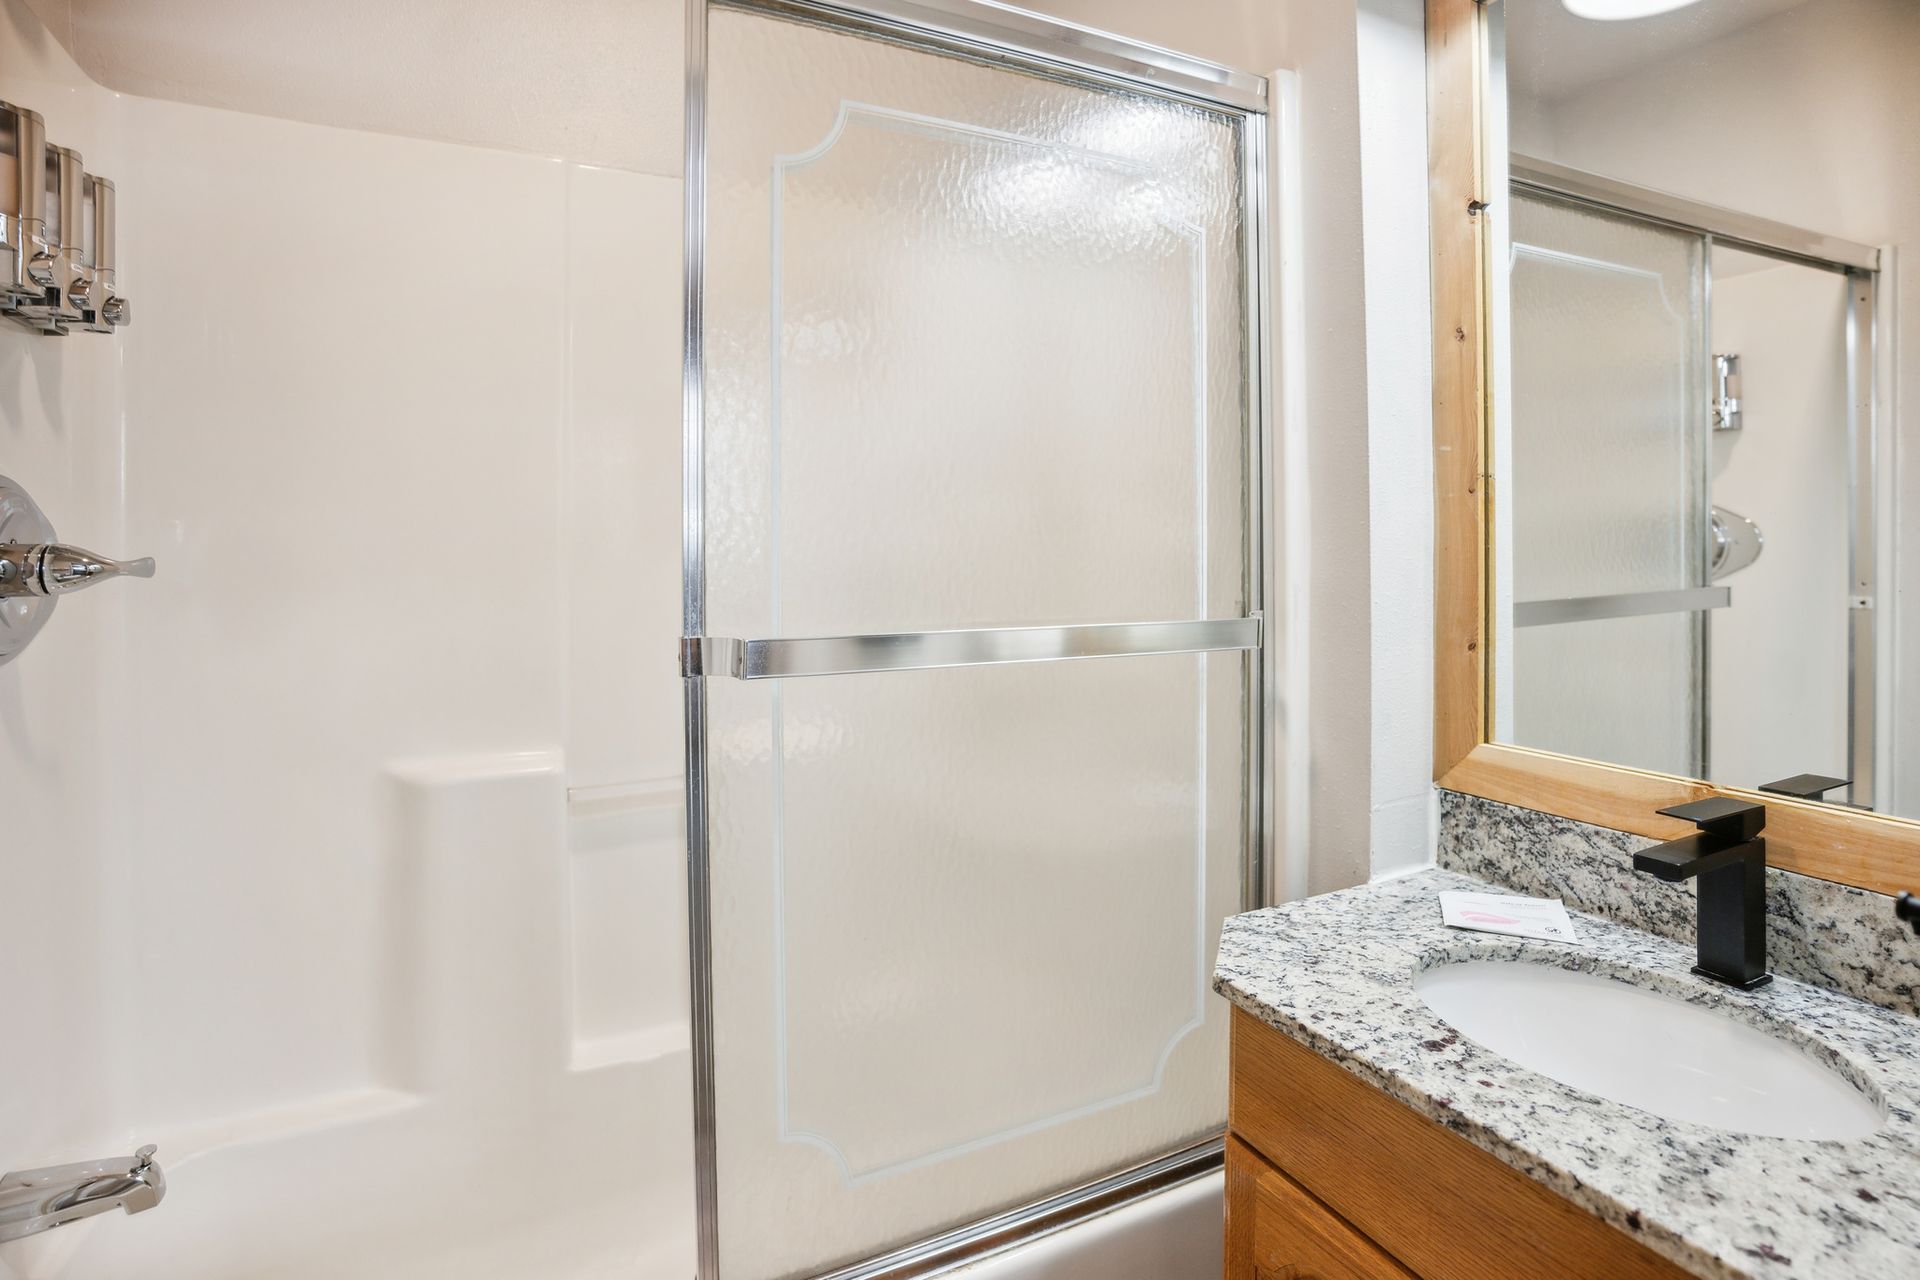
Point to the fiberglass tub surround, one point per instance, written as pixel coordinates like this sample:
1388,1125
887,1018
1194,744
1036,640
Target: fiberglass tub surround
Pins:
263,838
1341,973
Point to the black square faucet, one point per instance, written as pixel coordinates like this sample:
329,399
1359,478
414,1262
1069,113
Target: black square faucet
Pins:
1729,858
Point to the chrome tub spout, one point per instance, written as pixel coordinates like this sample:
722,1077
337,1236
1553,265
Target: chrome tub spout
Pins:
37,1200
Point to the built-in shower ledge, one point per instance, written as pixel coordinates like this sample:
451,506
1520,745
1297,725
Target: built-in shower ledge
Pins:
1336,974
648,1044
305,1115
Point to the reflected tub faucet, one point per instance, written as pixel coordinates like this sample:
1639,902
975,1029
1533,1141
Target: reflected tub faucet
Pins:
37,1200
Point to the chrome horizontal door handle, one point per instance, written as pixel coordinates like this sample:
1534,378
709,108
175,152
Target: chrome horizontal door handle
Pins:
976,646
1626,604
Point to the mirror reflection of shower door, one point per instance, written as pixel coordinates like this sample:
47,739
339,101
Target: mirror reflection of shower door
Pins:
974,394
1610,487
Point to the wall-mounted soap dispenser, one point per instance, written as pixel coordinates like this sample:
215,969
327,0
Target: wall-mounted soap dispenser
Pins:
60,268
23,185
104,309
57,229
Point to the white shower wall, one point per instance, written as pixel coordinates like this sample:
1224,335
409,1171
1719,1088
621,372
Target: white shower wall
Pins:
344,857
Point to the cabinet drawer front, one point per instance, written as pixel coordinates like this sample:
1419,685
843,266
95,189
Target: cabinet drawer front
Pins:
1276,1231
1437,1204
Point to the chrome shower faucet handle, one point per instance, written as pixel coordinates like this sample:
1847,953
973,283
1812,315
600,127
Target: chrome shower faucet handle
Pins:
54,568
36,569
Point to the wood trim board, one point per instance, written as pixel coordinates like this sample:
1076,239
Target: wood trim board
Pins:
1456,68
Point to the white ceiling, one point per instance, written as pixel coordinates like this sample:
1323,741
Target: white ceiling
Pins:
1551,54
598,81
592,80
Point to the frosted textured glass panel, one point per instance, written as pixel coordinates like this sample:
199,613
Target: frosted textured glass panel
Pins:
969,916
975,357
1609,366
1623,690
966,813
975,350
1609,345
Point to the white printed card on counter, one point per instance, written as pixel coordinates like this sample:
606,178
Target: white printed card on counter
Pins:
1500,913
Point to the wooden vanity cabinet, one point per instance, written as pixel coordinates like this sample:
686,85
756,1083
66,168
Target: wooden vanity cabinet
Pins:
1276,1231
1328,1178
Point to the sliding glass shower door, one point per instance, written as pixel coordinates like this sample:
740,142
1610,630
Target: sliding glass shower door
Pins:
973,627
1610,499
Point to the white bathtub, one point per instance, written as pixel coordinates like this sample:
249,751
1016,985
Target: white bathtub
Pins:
590,1186
590,1181
1178,1234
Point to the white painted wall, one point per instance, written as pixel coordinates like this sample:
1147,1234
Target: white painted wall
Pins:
1806,117
1329,363
1365,421
1399,358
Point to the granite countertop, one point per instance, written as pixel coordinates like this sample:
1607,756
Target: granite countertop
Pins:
1335,973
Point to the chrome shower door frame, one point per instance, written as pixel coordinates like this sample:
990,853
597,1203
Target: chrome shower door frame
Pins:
1023,41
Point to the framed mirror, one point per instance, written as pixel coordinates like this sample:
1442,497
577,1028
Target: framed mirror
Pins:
1669,242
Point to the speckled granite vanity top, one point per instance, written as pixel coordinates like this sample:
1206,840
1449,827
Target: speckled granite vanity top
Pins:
1336,973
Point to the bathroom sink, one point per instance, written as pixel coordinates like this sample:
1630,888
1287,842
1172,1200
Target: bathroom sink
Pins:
1648,1050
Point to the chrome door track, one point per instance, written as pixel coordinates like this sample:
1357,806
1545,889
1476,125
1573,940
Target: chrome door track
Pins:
968,1244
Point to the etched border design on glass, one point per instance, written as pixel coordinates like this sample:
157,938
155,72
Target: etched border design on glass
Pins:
848,114
1561,257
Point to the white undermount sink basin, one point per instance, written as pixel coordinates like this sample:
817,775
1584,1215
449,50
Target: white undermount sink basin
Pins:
1647,1050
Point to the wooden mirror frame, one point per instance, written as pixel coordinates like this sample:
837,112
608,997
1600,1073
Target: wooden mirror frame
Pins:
1873,851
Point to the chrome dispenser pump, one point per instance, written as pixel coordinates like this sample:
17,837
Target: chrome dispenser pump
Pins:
23,178
104,309
60,270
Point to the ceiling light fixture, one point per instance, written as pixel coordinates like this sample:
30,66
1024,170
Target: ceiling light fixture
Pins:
1619,10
